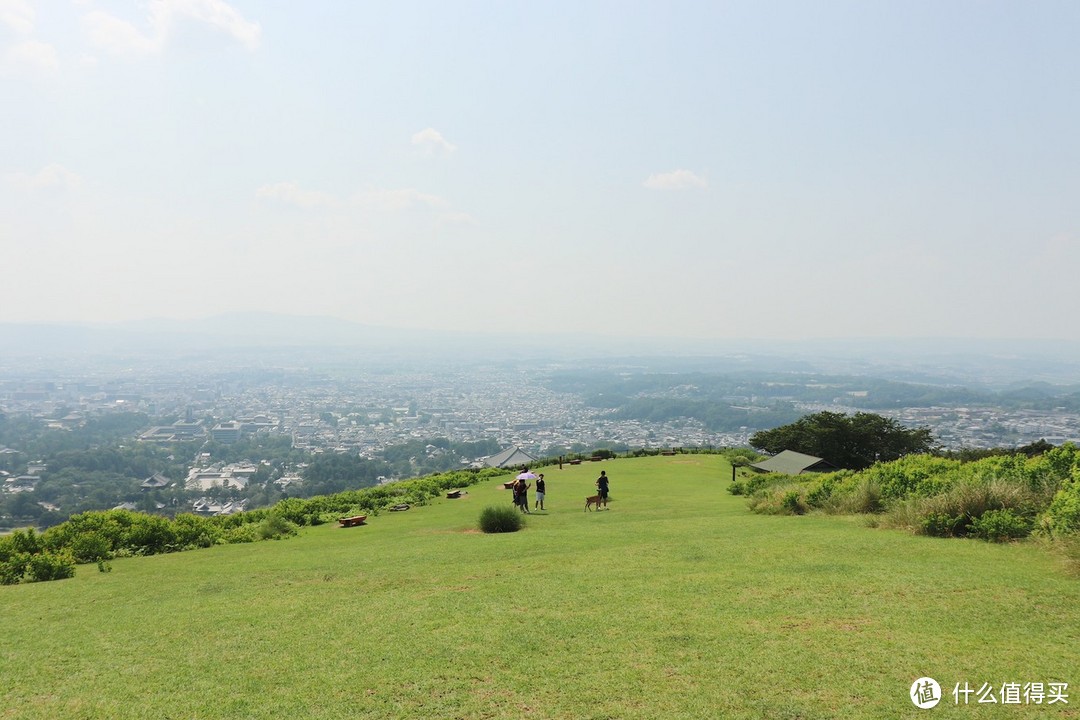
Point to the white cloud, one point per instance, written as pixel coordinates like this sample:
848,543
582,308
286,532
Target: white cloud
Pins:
17,15
292,194
675,180
117,36
398,200
49,178
121,37
429,142
31,54
216,13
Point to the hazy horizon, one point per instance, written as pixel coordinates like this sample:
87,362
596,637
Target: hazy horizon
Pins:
699,171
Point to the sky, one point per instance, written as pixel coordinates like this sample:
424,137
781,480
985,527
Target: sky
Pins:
777,170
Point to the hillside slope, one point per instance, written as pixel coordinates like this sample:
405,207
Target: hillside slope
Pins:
674,603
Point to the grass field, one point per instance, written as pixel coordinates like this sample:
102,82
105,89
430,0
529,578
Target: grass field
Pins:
674,603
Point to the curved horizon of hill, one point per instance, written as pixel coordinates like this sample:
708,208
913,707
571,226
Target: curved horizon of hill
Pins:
676,602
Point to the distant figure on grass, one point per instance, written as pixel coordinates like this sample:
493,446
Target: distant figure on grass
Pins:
521,490
602,486
540,490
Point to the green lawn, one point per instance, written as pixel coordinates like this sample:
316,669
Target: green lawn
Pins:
674,603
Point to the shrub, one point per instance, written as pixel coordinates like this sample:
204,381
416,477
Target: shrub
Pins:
25,541
919,475
90,547
500,519
241,534
193,531
275,527
1063,515
942,525
13,567
1000,525
779,500
758,481
957,512
50,566
862,497
793,502
818,495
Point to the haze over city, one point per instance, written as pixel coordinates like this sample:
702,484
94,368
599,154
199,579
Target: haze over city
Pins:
688,170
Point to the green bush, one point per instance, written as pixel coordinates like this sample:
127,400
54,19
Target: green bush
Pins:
1063,514
275,527
938,524
501,519
864,496
750,484
90,547
242,534
1000,525
818,495
918,475
13,567
792,502
956,513
23,541
193,531
98,536
786,499
49,566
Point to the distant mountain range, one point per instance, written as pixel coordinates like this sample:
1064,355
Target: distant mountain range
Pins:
229,330
259,332
264,330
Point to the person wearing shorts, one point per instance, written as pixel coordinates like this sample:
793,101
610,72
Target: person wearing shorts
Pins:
540,489
602,486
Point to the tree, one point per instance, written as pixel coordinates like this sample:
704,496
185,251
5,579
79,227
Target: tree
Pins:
847,441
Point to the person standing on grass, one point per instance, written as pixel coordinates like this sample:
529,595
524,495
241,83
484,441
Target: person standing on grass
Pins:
521,494
602,486
540,489
525,496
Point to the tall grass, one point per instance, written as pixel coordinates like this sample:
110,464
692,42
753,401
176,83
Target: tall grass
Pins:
501,519
997,498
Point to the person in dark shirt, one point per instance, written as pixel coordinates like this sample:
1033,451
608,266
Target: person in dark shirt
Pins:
521,494
602,486
540,490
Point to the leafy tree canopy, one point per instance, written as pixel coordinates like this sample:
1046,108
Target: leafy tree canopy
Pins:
848,441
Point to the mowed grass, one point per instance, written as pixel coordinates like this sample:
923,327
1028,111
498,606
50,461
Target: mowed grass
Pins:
674,603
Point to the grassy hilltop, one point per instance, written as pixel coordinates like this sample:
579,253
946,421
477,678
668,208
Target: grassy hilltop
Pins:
677,602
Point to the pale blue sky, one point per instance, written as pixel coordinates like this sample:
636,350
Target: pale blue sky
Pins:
717,170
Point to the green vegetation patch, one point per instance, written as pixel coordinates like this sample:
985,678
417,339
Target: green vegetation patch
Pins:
675,603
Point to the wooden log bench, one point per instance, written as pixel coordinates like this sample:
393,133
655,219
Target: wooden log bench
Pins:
455,494
575,462
508,485
352,521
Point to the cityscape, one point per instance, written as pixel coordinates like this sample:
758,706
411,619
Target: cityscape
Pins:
364,410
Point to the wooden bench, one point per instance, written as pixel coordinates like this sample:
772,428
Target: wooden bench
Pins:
509,485
575,462
455,494
352,521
